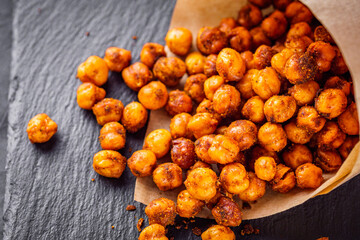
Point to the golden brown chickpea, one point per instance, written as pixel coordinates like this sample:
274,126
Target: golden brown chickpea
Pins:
211,85
248,58
304,93
153,96
169,70
249,16
262,57
226,100
210,40
347,146
234,178
188,206
194,87
142,163
202,124
227,24
296,155
261,3
266,83
265,168
134,117
253,110
281,4
331,103
298,12
297,134
153,232
206,106
161,211
278,61
178,126
309,119
259,37
198,164
330,136
178,102
202,146
179,40
321,34
300,68
338,65
328,160
230,65
167,176
183,152
349,121
109,163
227,212
112,136
298,44
256,189
279,108
284,179
201,183
158,141
88,94
323,53
308,176
108,110
136,76
339,83
274,25
243,132
195,62
216,232
245,84
240,39
151,52
299,29
210,65
93,70
272,137
258,152
223,149
41,128
117,58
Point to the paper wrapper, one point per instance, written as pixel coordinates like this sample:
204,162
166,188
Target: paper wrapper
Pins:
342,21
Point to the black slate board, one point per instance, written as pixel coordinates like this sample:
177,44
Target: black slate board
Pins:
49,193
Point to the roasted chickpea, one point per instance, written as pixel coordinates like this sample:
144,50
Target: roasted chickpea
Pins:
298,44
339,83
223,149
272,137
321,34
328,160
178,102
297,134
253,110
167,176
330,136
202,146
349,121
109,163
198,164
281,4
347,146
256,189
169,70
41,128
234,178
179,40
308,176
210,65
265,168
153,96
259,37
274,25
93,70
309,119
300,68
108,110
298,30
183,152
278,61
262,57
304,93
298,12
195,62
206,106
227,24
230,65
257,152
261,3
243,132
142,163
211,85
221,130
202,124
249,16
161,211
178,126
296,155
227,212
284,179
117,58
188,206
266,83
245,84
153,232
279,108
338,65
136,76
226,100
88,94
218,232
112,136
134,117
248,58
194,87
158,141
331,103
210,40
240,39
323,53
151,52
201,183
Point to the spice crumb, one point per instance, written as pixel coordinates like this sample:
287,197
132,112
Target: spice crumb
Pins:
130,149
87,34
93,179
112,227
178,227
139,224
249,229
134,37
196,231
192,220
130,208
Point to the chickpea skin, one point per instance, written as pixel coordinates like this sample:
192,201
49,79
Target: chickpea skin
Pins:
93,70
297,155
178,126
167,176
178,102
218,232
299,29
201,183
179,40
230,65
259,37
240,39
183,152
223,149
253,110
234,178
331,103
153,96
256,189
210,40
248,58
142,163
305,93
194,87
309,119
266,83
275,25
278,61
243,132
297,134
339,83
227,24
272,137
211,85
226,100
298,44
328,160
338,64
249,16
227,212
279,108
210,65
284,179
134,117
202,124
153,232
298,12
349,121
330,136
112,136
88,94
281,4
151,52
347,146
308,176
300,68
109,163
169,70
41,128
161,211
323,53
202,146
108,110
136,76
158,141
206,106
263,56
245,84
117,58
265,168
195,62
188,206
261,3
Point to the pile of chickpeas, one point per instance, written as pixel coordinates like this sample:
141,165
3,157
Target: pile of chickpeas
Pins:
268,101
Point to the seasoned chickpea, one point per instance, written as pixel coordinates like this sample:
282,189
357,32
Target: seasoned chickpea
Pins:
227,24
308,176
202,146
297,134
272,137
169,70
253,110
300,68
249,16
109,163
134,117
274,25
167,176
226,100
206,106
227,212
259,37
112,136
298,44
348,121
210,40
210,65
117,58
321,34
153,232
299,29
136,76
338,65
259,151
296,155
194,87
331,103
88,94
243,132
256,189
179,40
183,152
188,206
93,70
339,83
195,62
223,149
323,53
151,52
245,84
178,102
198,164
142,163
240,39
178,126
216,232
328,160
262,57
202,124
281,4
278,61
279,108
211,85
230,65
298,12
284,179
153,96
309,119
248,58
41,128
266,83
304,93
158,141
347,146
234,178
330,136
108,110
161,211
265,168
221,130
201,183
261,3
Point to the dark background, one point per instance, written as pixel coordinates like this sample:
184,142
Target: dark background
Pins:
49,192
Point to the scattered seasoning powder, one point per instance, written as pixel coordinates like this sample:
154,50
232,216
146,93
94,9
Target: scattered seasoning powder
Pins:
134,37
130,208
93,179
139,224
87,34
248,229
196,231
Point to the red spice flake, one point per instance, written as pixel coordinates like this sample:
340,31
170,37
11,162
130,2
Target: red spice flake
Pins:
248,229
134,37
130,208
192,220
93,179
196,231
87,34
139,224
246,205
